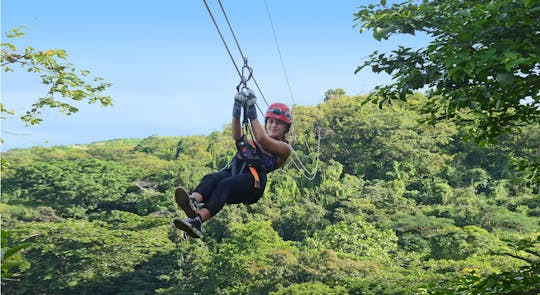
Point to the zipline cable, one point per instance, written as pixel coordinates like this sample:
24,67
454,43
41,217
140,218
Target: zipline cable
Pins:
300,165
231,29
222,38
244,58
279,50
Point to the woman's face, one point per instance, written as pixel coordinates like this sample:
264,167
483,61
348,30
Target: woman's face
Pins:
275,128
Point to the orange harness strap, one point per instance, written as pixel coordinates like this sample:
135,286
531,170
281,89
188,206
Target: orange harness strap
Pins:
256,176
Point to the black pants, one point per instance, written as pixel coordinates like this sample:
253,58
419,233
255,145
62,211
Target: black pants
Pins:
223,187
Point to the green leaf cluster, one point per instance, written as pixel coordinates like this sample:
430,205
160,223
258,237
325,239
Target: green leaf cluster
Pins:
65,83
480,68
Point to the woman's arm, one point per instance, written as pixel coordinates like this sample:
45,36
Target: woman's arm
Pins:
277,147
239,100
270,145
236,128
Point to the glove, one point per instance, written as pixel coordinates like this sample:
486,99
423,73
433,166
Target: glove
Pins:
239,100
251,112
251,100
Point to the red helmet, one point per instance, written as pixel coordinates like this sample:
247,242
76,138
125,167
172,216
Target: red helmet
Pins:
279,111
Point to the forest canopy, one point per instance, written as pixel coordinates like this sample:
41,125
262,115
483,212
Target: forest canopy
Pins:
396,207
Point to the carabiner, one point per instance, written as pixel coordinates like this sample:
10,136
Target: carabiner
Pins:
243,80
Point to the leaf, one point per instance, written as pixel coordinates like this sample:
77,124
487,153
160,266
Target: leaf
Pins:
381,33
10,46
10,252
505,78
518,61
404,89
408,29
535,10
61,53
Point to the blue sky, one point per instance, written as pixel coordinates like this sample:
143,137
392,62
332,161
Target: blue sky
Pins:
171,74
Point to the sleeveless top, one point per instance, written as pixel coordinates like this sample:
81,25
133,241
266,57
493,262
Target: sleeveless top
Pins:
250,152
270,161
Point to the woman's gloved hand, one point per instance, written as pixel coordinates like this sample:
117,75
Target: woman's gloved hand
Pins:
240,99
251,102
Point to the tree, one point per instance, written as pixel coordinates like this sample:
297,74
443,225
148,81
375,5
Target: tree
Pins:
333,93
481,68
385,139
524,280
121,255
358,239
63,80
71,187
310,288
253,260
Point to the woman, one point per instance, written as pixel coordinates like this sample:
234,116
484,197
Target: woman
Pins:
244,180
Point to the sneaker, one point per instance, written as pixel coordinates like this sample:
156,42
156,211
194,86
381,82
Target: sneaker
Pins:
192,226
188,203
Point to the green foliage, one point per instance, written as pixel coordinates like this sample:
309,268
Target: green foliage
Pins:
63,80
457,244
299,222
333,93
356,238
482,58
311,288
13,263
332,268
14,214
430,190
395,208
525,280
386,139
481,66
253,259
106,260
162,147
64,186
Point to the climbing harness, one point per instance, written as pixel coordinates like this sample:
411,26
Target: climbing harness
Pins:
250,153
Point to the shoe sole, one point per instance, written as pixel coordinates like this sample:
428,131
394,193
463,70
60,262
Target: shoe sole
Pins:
182,199
186,227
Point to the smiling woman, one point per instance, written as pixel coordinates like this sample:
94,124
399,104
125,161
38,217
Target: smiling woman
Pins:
244,179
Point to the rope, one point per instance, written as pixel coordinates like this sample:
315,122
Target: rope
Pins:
300,165
222,38
279,50
297,162
231,29
310,175
240,74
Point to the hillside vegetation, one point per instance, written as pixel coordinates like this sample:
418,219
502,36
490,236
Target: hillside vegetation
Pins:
395,208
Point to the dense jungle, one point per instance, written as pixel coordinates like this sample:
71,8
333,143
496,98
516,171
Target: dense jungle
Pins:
371,202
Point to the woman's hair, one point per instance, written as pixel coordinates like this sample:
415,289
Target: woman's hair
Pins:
284,137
